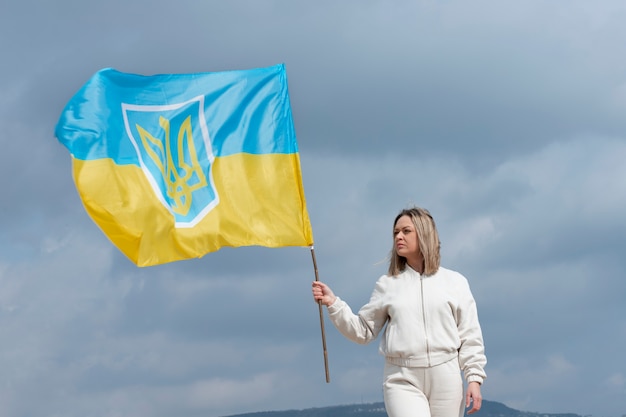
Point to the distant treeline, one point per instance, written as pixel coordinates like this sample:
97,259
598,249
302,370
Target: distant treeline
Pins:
489,409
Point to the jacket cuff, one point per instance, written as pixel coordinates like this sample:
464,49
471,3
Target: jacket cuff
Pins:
336,306
475,378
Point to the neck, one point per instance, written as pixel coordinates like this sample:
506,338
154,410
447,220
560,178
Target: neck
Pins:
417,264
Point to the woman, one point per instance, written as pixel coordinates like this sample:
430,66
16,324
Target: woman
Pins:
432,330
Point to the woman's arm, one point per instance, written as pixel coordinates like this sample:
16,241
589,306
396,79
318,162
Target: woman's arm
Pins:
360,328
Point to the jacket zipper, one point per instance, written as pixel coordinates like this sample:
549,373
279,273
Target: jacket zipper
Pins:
424,319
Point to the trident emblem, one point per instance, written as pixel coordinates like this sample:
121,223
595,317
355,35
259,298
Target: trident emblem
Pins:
177,174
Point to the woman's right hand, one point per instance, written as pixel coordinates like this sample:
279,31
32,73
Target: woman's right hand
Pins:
322,293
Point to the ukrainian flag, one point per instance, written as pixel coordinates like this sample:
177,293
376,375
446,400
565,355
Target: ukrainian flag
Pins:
172,167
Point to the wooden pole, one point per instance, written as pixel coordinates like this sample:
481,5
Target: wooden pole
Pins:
319,303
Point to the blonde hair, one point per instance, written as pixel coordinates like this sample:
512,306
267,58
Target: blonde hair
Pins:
428,240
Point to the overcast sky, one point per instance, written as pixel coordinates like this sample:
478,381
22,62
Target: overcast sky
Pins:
506,119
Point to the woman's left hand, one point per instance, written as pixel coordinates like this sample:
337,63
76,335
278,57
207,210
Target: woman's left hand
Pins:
473,395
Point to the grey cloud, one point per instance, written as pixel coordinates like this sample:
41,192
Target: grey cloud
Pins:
505,119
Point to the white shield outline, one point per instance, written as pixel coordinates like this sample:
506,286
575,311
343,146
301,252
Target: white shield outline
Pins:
207,144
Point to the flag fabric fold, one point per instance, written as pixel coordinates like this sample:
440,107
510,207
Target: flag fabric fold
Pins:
175,166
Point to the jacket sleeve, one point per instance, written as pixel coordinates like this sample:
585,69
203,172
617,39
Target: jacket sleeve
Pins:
472,359
366,325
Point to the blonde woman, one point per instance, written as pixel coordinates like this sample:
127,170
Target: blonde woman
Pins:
431,326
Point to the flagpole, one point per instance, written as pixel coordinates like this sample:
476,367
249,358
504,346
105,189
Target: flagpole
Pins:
319,303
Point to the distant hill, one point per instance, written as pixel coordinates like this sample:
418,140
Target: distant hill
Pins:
489,409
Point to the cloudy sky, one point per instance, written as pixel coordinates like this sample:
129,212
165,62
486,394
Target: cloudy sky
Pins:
506,119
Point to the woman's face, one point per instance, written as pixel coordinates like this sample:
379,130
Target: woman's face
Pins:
405,239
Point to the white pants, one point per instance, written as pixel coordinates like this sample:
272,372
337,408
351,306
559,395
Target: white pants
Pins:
424,392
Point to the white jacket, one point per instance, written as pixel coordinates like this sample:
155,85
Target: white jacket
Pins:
430,320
